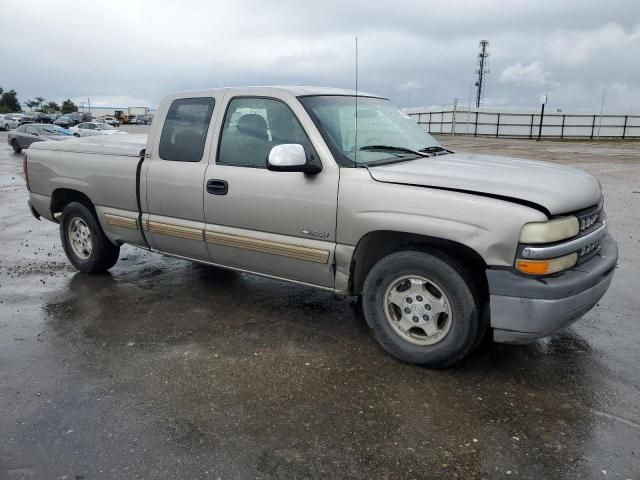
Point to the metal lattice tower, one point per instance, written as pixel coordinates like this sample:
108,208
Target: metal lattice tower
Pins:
482,70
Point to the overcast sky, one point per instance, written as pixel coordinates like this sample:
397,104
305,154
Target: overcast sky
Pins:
126,53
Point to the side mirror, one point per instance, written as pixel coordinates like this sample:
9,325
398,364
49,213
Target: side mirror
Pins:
291,157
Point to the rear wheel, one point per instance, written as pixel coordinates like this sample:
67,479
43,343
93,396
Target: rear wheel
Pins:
84,242
16,146
422,308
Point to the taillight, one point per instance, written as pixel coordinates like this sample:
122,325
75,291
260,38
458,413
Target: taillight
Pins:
25,170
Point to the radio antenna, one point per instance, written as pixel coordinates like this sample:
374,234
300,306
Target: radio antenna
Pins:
355,158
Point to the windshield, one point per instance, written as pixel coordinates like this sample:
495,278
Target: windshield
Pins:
104,126
384,133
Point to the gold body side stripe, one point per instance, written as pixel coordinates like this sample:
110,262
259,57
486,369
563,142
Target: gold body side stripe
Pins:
266,246
175,230
120,221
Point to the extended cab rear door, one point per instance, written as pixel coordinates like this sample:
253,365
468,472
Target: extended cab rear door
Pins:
173,175
281,224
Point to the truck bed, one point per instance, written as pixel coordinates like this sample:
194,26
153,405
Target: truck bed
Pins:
103,168
117,144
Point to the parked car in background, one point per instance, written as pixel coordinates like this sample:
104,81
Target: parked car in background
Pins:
41,118
87,129
8,122
145,119
64,121
79,117
24,118
25,135
113,121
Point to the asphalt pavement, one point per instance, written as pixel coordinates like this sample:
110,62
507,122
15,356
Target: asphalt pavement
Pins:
167,369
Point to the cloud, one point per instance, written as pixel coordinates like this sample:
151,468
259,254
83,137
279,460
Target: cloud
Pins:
530,75
419,51
579,47
409,85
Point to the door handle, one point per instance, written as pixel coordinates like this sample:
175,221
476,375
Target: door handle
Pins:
217,187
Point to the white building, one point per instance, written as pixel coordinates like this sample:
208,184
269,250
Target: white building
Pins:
98,112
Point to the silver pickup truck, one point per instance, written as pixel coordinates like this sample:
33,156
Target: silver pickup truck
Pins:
344,193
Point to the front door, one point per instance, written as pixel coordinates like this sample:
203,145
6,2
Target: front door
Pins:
30,136
281,224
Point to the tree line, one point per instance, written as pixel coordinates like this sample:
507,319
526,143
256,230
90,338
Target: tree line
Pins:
9,103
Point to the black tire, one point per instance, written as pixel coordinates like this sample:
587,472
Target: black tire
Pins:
16,146
103,254
454,282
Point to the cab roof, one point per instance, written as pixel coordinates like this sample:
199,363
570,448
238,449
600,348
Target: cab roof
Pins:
295,90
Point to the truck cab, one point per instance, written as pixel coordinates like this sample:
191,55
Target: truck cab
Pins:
343,193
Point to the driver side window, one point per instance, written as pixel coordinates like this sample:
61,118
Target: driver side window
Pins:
253,126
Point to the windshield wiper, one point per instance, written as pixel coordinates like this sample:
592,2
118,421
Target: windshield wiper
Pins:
434,149
392,148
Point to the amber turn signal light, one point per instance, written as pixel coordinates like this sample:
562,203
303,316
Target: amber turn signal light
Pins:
546,267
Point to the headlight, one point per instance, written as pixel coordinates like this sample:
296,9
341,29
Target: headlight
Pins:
546,267
551,231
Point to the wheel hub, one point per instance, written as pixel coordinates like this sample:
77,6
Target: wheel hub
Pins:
79,235
418,310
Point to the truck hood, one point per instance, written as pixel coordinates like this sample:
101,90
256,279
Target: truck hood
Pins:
556,188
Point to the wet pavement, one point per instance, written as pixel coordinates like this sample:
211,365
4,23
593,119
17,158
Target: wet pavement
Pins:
168,369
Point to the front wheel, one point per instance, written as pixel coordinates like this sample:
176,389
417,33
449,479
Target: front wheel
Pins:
16,146
84,242
423,308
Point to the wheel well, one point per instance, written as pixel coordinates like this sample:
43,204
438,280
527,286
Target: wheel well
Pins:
63,196
376,245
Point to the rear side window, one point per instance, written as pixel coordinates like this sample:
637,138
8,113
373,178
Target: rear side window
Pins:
184,132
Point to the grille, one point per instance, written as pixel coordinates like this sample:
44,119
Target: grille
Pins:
588,221
588,249
590,218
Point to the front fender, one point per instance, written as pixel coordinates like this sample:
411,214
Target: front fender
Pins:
491,227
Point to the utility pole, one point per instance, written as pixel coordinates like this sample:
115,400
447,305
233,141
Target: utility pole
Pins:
469,107
604,94
453,117
482,70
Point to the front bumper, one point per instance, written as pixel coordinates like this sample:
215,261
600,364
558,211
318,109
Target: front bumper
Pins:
524,308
